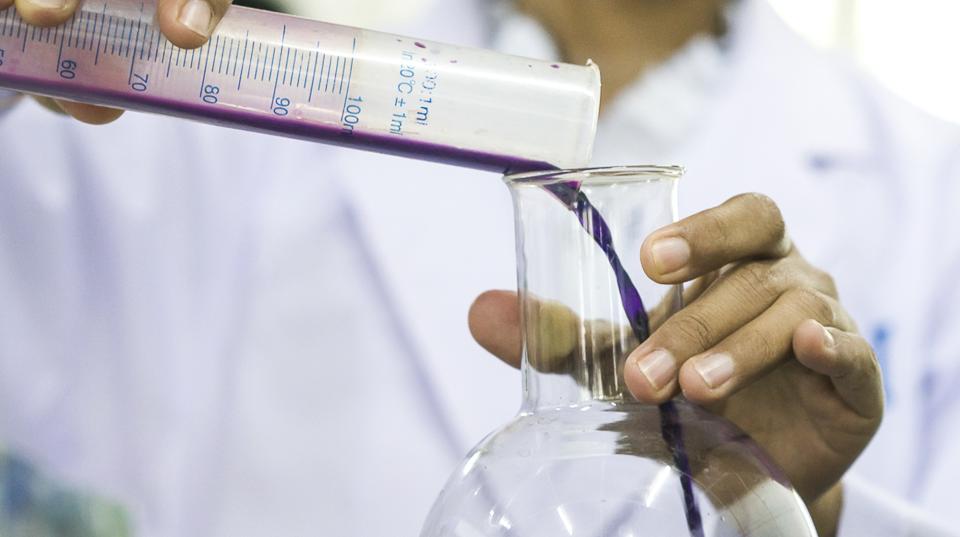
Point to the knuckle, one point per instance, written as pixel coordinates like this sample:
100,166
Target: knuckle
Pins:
813,303
758,280
768,212
826,282
862,347
714,227
861,358
694,328
221,7
763,345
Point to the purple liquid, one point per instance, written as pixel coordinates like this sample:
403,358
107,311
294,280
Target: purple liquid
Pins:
593,223
240,118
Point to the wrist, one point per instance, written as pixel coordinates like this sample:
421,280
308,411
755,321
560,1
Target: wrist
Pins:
825,511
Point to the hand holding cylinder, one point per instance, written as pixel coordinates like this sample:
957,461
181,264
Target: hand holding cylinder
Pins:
186,23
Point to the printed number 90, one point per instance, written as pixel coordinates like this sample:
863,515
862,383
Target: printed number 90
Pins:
282,106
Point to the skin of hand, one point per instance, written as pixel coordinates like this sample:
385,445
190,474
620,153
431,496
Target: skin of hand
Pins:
762,341
186,23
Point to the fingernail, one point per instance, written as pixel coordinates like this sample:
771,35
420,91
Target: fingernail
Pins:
715,369
670,255
49,4
828,340
659,367
198,16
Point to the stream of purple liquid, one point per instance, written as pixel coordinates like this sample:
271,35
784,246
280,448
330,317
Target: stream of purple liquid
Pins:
593,223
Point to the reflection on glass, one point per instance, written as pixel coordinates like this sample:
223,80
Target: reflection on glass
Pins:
582,459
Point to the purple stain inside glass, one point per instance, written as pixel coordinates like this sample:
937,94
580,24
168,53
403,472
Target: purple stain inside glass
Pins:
420,45
315,132
670,429
555,66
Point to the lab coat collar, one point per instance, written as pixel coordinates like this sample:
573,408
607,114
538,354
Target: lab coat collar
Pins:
441,235
787,89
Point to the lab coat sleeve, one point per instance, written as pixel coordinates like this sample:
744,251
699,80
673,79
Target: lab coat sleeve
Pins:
867,511
939,472
932,495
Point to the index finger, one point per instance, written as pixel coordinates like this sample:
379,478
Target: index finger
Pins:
748,226
190,23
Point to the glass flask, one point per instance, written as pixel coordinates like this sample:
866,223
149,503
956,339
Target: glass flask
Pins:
583,458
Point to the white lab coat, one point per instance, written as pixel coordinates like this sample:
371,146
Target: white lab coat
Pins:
239,335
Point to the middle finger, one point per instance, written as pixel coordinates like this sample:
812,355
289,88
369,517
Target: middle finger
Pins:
735,299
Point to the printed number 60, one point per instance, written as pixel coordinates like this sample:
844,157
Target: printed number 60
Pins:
68,69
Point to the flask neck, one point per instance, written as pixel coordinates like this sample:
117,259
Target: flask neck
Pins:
584,296
568,361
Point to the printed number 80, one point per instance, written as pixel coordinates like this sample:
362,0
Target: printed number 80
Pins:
211,94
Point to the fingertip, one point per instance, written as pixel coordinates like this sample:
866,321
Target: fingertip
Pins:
646,259
666,257
493,304
45,14
188,24
696,389
494,322
90,114
4,4
813,346
650,378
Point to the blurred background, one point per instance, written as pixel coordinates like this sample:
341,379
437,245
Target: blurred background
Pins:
910,45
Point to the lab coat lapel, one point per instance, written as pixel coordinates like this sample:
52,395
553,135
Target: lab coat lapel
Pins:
787,122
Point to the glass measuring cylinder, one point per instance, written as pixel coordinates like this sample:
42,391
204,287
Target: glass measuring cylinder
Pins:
295,77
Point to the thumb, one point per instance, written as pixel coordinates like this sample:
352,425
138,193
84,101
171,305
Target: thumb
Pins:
190,23
495,324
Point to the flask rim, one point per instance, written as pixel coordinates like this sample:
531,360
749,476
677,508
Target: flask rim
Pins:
646,173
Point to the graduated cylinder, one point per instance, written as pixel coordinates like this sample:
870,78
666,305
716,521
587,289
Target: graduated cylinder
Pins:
312,80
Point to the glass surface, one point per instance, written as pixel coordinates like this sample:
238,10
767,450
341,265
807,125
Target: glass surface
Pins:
583,459
285,75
